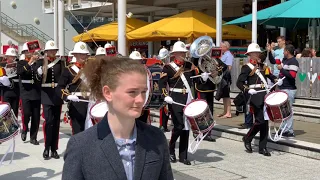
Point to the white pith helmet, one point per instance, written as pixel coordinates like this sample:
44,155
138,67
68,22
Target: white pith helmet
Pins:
253,47
179,46
100,51
107,45
81,48
50,45
25,47
135,55
11,52
163,53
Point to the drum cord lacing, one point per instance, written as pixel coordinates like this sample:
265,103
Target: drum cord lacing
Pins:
85,29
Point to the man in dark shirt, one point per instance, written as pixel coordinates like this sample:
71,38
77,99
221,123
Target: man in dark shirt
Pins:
289,68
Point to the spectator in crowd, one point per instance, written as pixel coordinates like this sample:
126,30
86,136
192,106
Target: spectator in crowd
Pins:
276,54
227,59
306,52
313,53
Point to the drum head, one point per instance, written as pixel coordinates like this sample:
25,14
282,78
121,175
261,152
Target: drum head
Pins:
4,108
99,110
276,98
195,108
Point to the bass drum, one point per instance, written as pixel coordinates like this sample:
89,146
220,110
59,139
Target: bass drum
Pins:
156,100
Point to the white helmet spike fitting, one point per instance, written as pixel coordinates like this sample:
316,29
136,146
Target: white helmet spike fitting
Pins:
253,47
179,46
25,47
81,48
107,45
11,52
100,51
135,55
50,45
163,53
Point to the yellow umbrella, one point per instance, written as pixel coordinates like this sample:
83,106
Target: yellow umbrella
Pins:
190,24
108,32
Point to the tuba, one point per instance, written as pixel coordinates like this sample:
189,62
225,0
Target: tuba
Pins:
202,48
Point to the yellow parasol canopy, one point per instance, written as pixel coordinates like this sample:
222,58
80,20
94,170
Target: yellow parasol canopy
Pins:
108,32
189,24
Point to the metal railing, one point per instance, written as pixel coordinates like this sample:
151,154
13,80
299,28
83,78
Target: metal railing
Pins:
24,30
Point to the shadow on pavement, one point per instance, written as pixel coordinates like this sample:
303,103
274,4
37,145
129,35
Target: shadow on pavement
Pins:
202,155
17,155
30,173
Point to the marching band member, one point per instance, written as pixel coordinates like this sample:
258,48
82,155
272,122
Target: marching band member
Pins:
255,74
205,90
69,87
11,81
177,75
30,93
100,52
50,69
135,55
164,111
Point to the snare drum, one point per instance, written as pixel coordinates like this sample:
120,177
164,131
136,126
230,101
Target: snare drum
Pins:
278,106
9,126
199,116
98,111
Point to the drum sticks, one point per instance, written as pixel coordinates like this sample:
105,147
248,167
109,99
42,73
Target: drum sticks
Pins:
197,76
271,86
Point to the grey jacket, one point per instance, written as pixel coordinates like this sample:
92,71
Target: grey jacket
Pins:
93,155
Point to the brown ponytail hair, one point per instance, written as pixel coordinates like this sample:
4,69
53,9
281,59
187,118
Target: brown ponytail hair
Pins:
106,71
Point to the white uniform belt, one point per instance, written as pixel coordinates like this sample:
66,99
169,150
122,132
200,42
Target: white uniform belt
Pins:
256,86
27,81
49,85
178,90
80,94
15,80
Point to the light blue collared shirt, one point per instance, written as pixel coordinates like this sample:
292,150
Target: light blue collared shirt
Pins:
227,58
126,148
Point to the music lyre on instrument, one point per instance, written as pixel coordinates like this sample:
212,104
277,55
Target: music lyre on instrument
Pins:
202,48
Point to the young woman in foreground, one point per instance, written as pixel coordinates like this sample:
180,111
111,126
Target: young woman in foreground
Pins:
118,147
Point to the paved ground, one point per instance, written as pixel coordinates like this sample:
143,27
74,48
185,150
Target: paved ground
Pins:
223,160
304,131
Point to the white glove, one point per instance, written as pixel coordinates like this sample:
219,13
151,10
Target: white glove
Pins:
73,98
280,82
168,99
252,91
5,80
40,72
205,76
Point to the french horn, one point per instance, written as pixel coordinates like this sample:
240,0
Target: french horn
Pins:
202,48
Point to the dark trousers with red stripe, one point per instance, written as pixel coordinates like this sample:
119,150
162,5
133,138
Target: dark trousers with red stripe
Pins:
177,131
259,125
51,126
31,111
164,117
78,115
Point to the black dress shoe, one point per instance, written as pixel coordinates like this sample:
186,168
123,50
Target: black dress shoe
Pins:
185,161
23,135
55,155
173,158
264,152
209,138
34,142
247,145
46,154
